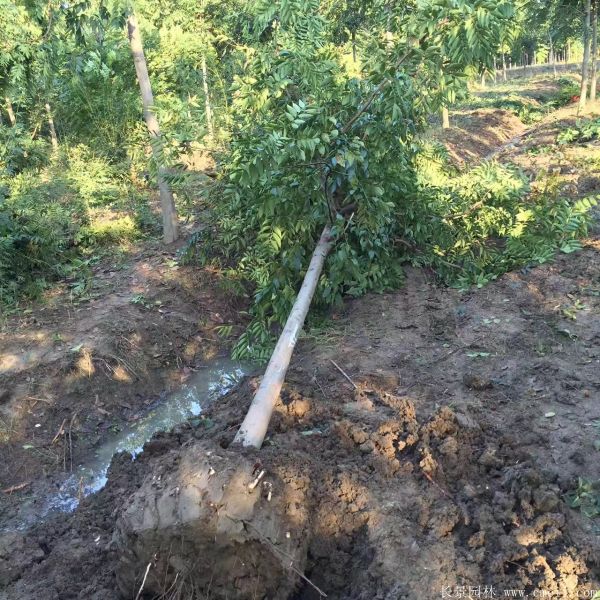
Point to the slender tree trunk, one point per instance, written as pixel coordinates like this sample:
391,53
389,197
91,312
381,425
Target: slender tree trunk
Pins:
586,56
208,108
552,56
445,118
483,79
353,34
594,77
169,214
53,136
10,111
495,71
504,74
254,427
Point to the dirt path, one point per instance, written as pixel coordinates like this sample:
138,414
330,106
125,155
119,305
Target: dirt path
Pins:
475,417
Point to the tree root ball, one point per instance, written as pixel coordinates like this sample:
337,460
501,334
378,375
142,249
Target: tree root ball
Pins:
207,529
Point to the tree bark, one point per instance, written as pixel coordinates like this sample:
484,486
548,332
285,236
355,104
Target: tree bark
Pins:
53,135
169,213
445,118
552,56
254,427
594,76
207,106
586,56
504,74
10,111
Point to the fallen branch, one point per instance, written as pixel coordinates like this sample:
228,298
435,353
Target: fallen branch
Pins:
343,373
16,488
254,427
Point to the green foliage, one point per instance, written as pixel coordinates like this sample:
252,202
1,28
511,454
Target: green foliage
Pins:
18,150
39,222
585,130
485,222
585,497
52,219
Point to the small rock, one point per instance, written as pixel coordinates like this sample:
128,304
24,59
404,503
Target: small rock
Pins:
477,382
367,447
4,395
488,458
545,500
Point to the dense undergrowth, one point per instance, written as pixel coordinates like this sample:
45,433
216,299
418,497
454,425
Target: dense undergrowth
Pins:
58,213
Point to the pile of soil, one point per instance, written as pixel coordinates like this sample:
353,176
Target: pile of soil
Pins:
447,466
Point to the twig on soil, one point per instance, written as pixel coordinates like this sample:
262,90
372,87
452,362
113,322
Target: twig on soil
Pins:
143,581
16,488
438,486
60,431
343,373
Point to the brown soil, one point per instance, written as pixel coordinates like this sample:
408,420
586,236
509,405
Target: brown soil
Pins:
475,134
474,414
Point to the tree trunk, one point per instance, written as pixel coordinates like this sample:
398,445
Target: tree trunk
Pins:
53,136
594,77
10,111
586,57
483,80
207,107
504,74
354,47
495,71
169,214
552,56
254,427
445,118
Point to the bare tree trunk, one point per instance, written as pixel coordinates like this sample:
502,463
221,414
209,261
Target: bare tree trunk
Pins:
483,80
504,74
353,46
586,56
10,111
169,214
53,136
594,77
254,427
445,118
495,70
207,106
552,56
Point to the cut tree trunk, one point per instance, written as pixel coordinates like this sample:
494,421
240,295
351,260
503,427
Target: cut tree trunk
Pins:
53,135
586,57
169,214
445,118
254,427
594,76
10,111
208,108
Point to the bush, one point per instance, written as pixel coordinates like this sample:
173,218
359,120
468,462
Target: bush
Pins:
18,150
585,130
39,224
487,222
